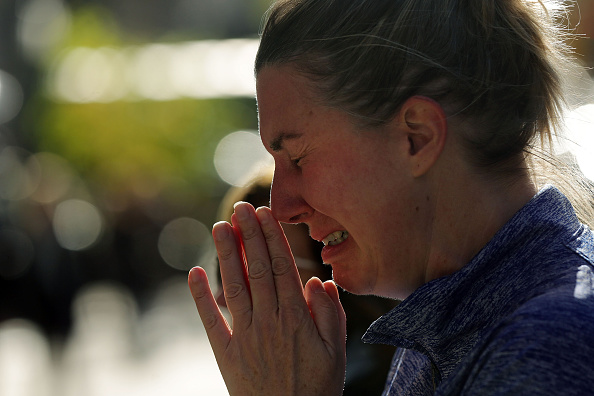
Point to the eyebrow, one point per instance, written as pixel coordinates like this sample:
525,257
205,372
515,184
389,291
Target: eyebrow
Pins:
277,142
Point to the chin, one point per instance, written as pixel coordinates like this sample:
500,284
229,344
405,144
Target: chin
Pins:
350,284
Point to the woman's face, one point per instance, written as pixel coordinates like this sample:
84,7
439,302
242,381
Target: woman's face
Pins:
350,186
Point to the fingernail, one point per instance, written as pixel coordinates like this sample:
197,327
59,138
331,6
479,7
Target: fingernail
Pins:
194,275
219,231
241,210
263,215
317,285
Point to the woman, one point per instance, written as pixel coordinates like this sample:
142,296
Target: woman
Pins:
408,135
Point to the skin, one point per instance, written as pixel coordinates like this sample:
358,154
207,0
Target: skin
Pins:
308,263
414,210
335,186
285,339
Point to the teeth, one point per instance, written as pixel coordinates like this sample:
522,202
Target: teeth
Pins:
335,238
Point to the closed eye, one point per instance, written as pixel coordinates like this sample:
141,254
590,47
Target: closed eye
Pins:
296,161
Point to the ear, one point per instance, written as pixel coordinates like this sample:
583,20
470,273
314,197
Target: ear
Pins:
426,128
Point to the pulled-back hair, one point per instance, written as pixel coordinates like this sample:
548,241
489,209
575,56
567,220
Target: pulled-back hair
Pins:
495,64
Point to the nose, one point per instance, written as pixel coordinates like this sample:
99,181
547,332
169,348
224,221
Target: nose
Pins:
286,200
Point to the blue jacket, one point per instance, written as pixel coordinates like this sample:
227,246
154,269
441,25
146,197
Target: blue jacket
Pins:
517,320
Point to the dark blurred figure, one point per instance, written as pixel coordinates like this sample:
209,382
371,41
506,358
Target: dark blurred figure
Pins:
367,365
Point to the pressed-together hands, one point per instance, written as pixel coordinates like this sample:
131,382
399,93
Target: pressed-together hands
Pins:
285,339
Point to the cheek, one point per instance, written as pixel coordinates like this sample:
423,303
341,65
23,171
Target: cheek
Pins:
328,187
351,183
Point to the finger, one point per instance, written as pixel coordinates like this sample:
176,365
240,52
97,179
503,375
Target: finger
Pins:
325,315
217,329
235,287
332,291
260,277
286,276
241,255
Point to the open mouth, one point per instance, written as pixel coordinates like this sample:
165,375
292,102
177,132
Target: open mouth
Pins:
335,238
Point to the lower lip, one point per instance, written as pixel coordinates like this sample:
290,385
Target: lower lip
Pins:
331,253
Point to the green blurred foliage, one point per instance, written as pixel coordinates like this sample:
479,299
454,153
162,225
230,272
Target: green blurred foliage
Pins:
93,26
115,143
136,148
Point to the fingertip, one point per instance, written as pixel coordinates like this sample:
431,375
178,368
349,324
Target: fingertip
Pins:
243,210
325,311
331,288
332,291
196,278
241,203
195,274
220,230
264,215
315,285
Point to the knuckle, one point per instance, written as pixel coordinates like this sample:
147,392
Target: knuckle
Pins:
280,265
225,254
271,235
257,269
200,292
242,311
249,233
233,290
209,321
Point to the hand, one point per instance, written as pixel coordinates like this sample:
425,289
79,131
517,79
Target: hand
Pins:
285,339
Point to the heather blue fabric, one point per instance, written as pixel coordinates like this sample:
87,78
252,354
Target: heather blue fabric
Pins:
517,320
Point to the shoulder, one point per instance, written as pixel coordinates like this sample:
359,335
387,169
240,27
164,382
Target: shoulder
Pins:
545,347
561,317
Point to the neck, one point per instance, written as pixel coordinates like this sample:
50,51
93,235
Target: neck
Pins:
469,210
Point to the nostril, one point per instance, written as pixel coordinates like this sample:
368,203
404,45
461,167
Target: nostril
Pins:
295,219
298,218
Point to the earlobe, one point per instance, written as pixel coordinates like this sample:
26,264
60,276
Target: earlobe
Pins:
426,128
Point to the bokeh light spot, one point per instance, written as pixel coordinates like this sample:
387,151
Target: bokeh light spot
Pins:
237,154
77,224
25,358
56,177
11,97
151,70
184,243
17,180
90,75
41,25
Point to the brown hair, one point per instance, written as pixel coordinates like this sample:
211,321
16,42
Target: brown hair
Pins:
495,65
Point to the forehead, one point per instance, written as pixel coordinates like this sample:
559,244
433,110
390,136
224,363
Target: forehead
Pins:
276,82
285,105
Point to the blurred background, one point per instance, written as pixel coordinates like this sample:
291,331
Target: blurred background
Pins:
122,125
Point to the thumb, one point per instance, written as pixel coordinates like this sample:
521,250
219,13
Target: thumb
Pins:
327,313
